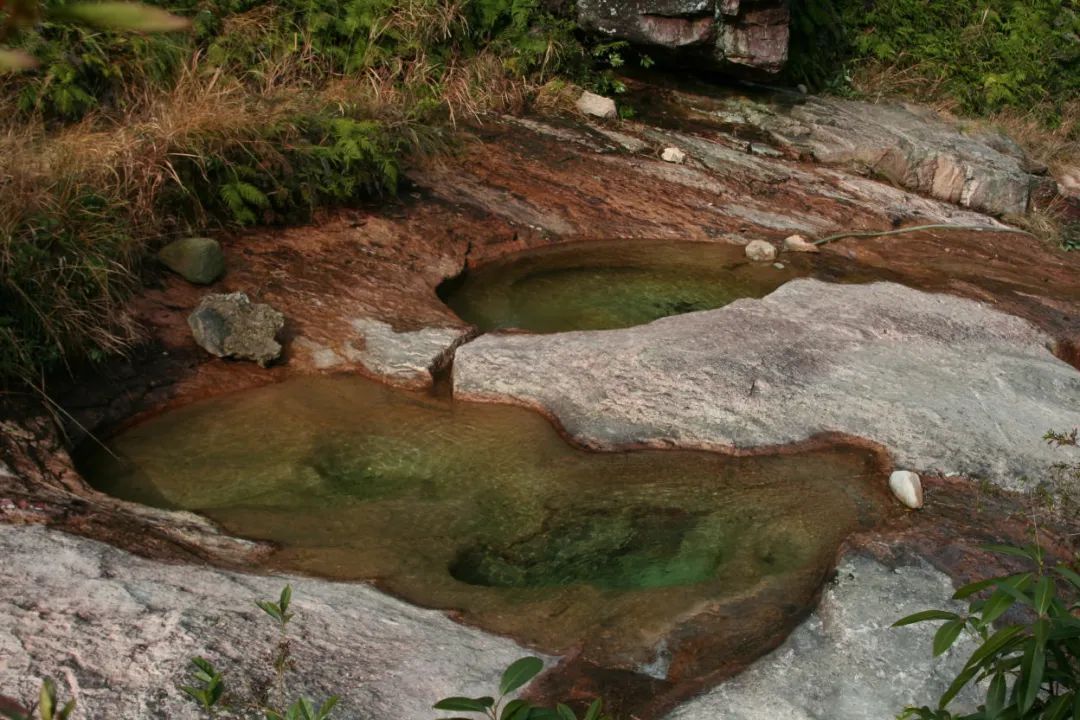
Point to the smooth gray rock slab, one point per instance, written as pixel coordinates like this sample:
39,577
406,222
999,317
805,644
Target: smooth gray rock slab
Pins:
948,385
907,144
233,326
117,632
197,260
407,357
845,662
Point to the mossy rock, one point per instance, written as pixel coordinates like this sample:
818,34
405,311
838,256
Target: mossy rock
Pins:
197,260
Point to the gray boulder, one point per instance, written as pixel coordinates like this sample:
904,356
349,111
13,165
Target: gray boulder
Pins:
233,326
197,260
742,35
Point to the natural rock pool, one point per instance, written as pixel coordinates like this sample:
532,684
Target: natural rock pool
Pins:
599,285
487,511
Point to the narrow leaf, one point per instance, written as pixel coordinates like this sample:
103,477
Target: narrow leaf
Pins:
594,710
466,704
1044,594
565,713
995,697
924,616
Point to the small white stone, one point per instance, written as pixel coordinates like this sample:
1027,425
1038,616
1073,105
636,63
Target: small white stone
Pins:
797,243
673,155
907,487
761,251
596,105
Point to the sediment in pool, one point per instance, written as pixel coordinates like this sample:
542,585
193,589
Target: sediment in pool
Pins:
663,562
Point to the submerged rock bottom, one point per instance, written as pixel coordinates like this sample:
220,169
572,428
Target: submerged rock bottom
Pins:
116,632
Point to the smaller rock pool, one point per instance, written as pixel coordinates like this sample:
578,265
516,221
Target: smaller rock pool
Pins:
487,511
599,285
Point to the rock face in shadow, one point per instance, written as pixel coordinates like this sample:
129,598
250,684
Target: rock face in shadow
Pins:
845,662
947,385
117,631
744,36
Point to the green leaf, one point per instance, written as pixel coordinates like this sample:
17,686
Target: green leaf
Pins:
594,710
111,15
998,604
270,609
1031,673
1044,594
286,598
924,616
1056,710
47,699
1069,575
1026,553
519,673
946,635
543,714
565,713
995,697
463,703
328,706
972,588
514,708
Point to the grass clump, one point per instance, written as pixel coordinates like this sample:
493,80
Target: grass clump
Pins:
976,58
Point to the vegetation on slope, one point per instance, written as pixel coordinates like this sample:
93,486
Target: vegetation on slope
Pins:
976,58
264,111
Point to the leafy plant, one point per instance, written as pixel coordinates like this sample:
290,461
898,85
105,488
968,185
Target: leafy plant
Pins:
48,706
304,709
207,686
514,678
1032,667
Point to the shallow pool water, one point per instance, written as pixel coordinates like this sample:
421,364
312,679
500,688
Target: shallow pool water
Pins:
486,510
609,284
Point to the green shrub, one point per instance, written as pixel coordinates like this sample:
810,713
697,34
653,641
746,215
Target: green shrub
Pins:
1031,666
985,56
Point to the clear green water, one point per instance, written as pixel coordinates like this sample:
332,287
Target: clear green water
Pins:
484,509
609,284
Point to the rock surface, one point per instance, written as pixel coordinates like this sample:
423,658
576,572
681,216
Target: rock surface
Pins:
760,251
908,145
596,105
407,357
117,631
845,662
907,487
197,260
947,385
739,35
232,326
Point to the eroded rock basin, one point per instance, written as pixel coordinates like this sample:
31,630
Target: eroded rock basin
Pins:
605,284
667,563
